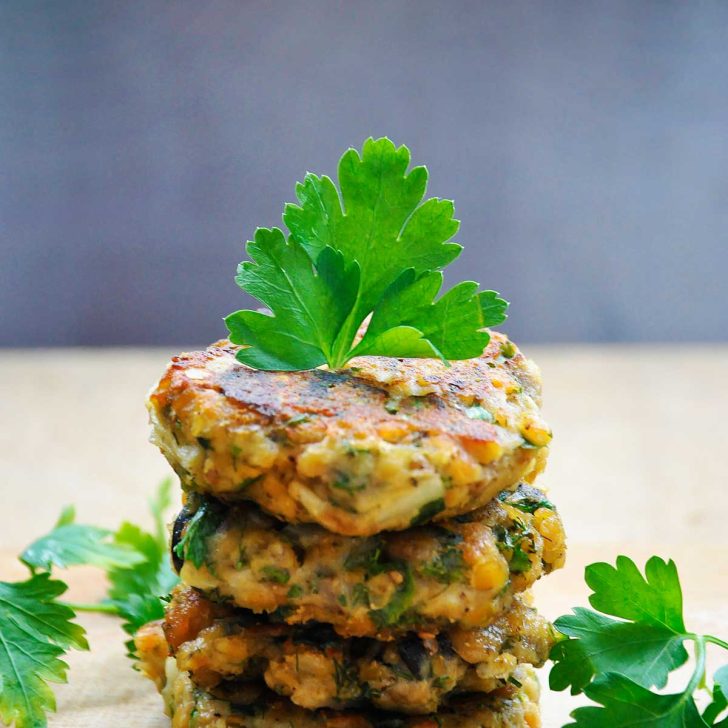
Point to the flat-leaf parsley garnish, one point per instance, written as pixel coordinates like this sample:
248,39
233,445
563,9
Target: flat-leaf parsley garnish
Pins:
37,628
71,543
370,248
617,662
35,631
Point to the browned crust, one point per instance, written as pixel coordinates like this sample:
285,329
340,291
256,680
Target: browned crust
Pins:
353,396
317,669
365,449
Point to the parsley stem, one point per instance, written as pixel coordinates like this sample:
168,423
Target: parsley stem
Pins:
345,337
99,608
699,672
716,641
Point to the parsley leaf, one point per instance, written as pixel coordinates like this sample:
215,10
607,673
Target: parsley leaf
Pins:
407,322
615,662
447,567
623,592
720,699
375,248
643,652
136,562
35,630
310,304
626,704
137,591
276,574
70,543
380,220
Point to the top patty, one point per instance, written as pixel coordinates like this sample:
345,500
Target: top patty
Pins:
379,445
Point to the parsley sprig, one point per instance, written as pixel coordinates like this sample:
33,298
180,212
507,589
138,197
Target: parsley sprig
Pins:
372,247
37,628
35,631
617,662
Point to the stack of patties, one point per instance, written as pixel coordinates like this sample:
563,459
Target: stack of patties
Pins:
355,547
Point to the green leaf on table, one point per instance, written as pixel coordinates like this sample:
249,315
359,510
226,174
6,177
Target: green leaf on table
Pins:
35,631
615,662
71,544
622,591
645,653
719,702
721,679
376,248
137,591
625,704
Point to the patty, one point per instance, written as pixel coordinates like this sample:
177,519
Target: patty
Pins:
249,705
380,445
316,668
462,571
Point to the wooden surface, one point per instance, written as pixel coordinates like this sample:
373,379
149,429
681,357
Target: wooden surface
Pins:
637,467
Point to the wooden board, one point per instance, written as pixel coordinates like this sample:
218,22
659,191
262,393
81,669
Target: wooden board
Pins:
637,467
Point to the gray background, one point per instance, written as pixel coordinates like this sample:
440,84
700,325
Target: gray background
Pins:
584,143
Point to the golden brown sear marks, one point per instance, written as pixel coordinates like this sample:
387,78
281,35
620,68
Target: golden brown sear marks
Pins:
373,447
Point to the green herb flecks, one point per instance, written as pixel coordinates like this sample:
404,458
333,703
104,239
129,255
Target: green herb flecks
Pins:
428,511
402,672
478,412
275,574
297,420
247,482
368,556
441,682
399,603
345,482
345,678
371,247
447,567
525,503
193,546
510,542
359,596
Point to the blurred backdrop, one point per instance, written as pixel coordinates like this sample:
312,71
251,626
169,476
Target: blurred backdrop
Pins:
585,145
